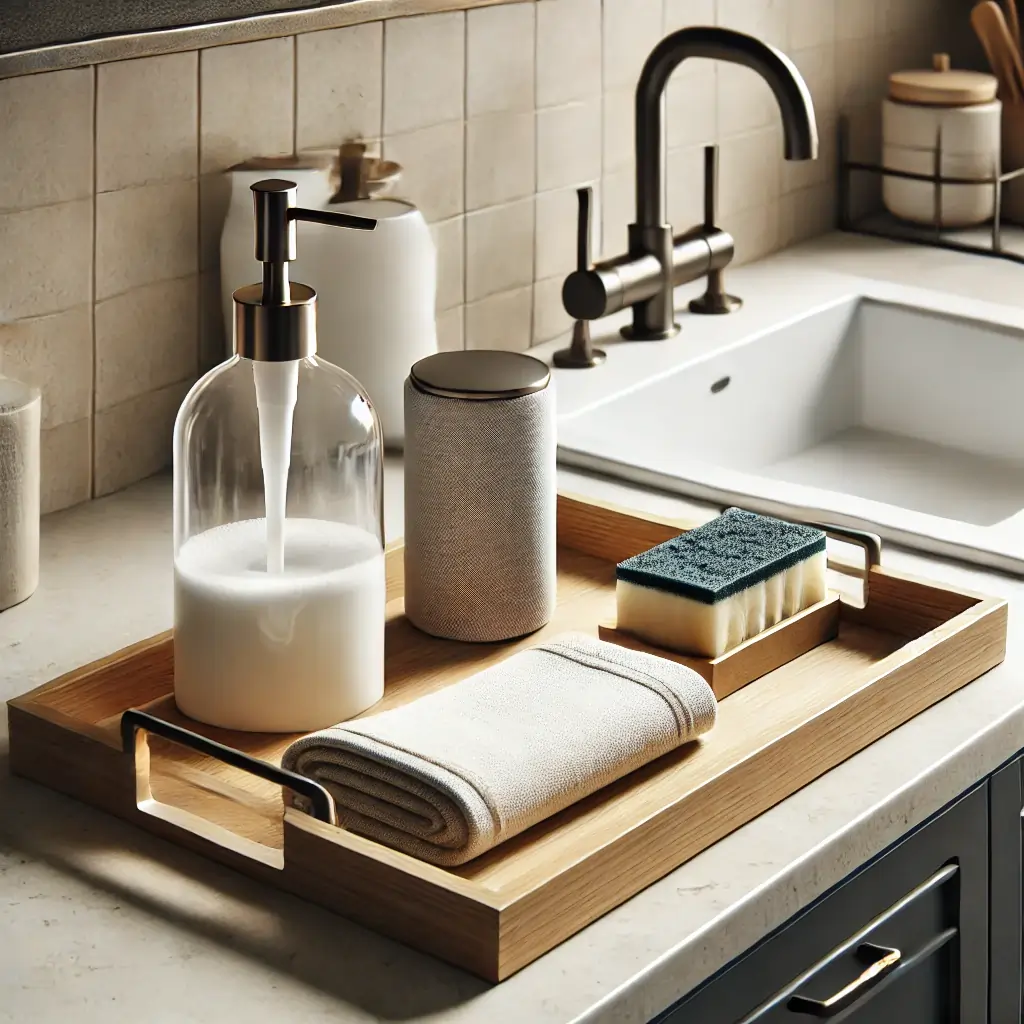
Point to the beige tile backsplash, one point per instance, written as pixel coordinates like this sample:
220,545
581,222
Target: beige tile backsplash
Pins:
47,132
146,234
53,353
424,71
139,348
339,85
450,329
499,249
631,30
66,464
500,64
501,321
501,158
112,192
434,166
450,242
132,439
247,105
147,111
568,51
45,259
569,144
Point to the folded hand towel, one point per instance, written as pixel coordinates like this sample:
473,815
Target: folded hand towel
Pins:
446,777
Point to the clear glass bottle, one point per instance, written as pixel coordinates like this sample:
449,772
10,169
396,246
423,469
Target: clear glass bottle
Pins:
278,540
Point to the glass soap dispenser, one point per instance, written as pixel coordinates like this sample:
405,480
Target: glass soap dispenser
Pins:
279,586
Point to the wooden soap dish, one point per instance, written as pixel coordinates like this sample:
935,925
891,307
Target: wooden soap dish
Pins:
761,654
782,643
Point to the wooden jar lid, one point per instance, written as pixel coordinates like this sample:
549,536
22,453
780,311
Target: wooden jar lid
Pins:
941,87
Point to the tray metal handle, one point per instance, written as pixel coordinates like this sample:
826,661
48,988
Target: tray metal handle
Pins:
871,544
319,800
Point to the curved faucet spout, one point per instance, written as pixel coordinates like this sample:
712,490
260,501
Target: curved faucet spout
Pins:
801,134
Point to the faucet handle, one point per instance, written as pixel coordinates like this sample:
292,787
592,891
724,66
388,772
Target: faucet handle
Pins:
715,299
710,186
581,354
585,197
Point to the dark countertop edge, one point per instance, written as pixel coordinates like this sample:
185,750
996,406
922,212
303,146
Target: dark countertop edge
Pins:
220,33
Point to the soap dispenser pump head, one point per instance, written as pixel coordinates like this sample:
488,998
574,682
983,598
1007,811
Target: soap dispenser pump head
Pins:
275,320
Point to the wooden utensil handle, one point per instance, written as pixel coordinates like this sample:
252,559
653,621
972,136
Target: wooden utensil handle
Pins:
1013,23
1002,51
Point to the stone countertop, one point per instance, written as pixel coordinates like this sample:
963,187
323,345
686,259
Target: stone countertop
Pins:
102,921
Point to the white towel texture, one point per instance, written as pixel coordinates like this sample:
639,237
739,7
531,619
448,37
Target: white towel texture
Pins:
450,775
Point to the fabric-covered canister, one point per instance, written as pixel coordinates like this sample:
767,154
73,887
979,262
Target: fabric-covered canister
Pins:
480,495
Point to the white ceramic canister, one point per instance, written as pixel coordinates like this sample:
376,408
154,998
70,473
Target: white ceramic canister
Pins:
238,264
20,412
377,292
954,110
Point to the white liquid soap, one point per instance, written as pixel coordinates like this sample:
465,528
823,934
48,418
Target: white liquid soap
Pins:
277,389
289,651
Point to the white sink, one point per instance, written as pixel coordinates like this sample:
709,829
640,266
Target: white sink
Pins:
869,414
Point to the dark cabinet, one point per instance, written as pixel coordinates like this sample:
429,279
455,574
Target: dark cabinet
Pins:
1006,801
900,967
904,940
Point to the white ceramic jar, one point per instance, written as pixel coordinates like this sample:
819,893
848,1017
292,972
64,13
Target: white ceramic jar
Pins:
20,411
953,110
377,292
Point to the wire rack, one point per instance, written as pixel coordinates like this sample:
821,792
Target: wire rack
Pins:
996,238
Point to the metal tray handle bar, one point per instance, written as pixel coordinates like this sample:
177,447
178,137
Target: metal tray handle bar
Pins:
870,543
319,799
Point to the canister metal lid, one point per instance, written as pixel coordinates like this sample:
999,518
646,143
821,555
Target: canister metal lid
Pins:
480,375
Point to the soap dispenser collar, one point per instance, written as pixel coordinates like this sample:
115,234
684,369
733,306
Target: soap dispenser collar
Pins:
276,320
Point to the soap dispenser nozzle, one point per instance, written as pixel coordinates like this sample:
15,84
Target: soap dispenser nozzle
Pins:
276,320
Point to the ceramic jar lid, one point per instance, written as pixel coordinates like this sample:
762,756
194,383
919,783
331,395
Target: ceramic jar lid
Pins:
941,86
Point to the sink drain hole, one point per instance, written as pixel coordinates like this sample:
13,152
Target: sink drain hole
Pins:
720,385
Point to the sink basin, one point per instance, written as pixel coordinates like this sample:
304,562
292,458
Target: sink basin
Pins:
869,414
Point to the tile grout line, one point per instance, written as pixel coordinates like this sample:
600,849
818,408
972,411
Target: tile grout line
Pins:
199,216
536,174
465,177
383,85
603,240
93,276
295,95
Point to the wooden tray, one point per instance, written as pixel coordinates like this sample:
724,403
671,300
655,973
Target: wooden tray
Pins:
911,645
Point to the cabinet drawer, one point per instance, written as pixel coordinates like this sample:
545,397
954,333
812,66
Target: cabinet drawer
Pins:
927,896
897,969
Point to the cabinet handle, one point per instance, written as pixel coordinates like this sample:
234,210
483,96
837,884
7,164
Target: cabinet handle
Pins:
882,960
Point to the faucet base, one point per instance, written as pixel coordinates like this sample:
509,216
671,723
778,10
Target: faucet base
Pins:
632,333
571,359
715,304
581,354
